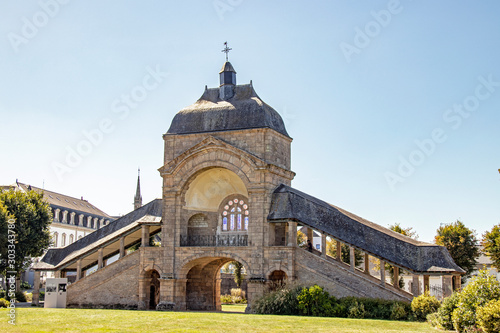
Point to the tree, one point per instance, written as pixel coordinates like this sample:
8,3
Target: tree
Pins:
30,217
491,245
238,275
461,243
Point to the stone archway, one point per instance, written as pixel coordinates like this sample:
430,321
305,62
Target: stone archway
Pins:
276,279
203,283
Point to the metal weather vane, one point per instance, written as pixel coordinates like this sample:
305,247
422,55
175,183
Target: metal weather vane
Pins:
226,50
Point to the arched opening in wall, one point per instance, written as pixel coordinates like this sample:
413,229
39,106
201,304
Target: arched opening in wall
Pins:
154,289
204,282
205,193
277,279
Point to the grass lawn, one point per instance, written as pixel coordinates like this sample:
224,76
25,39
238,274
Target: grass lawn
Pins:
31,320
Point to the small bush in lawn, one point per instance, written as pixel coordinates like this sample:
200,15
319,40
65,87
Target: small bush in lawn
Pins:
4,303
443,317
357,310
482,289
488,316
377,308
399,311
314,301
282,301
424,305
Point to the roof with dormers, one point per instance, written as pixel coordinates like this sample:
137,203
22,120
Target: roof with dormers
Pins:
245,110
65,201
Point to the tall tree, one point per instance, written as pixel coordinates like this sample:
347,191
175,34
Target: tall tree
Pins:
30,217
491,245
461,243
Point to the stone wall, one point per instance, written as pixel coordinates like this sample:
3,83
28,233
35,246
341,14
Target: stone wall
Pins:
114,286
340,281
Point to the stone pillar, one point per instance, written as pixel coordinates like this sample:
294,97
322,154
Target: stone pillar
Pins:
396,277
309,234
122,247
458,282
36,289
352,258
78,269
254,289
367,264
426,283
339,251
143,301
447,286
271,239
323,245
382,272
145,235
57,274
292,234
415,285
100,260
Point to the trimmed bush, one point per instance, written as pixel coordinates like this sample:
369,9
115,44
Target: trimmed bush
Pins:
399,311
443,317
488,317
357,310
226,299
314,301
4,303
424,305
482,289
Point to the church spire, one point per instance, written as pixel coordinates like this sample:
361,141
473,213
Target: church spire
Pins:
138,197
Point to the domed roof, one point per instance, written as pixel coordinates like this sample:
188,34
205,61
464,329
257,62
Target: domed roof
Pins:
244,110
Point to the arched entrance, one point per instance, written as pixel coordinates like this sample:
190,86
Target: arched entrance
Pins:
277,279
154,289
203,283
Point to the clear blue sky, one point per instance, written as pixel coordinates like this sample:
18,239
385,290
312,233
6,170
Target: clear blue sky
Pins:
358,84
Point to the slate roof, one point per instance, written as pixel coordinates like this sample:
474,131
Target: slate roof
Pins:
65,201
290,204
244,110
150,212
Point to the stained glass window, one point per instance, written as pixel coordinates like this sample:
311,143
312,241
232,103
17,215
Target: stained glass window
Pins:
236,211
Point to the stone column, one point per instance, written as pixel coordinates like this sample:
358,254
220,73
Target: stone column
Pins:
426,283
396,277
323,245
309,234
100,260
367,264
78,269
57,274
36,289
254,289
382,272
446,281
271,239
352,258
122,247
292,234
145,235
339,251
143,301
415,285
458,282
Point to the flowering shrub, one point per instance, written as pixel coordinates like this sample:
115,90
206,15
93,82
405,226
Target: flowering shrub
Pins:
424,305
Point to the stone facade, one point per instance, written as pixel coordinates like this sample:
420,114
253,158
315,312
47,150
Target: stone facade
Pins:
227,197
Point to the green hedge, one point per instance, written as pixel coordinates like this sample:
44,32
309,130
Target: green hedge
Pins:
315,301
